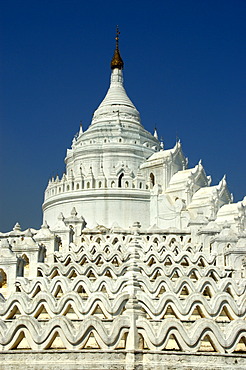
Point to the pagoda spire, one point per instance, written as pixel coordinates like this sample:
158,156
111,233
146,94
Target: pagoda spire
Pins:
117,61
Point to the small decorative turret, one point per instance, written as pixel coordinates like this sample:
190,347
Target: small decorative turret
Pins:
155,133
117,61
17,227
80,129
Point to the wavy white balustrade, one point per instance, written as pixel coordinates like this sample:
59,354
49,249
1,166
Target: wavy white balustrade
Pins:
111,291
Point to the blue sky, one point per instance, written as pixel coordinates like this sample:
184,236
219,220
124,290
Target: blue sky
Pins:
184,70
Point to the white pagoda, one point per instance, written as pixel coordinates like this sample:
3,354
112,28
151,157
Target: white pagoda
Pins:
140,263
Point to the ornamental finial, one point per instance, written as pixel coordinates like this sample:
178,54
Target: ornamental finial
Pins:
117,61
117,37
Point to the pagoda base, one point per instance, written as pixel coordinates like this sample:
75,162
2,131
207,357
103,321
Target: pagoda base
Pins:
118,360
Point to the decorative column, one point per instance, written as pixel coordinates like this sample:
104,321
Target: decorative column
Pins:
154,204
133,309
63,232
28,247
222,243
46,238
77,224
11,266
235,256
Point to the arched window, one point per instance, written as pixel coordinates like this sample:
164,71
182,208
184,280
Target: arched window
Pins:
140,185
126,184
100,184
120,180
88,185
3,279
26,266
112,184
77,186
152,179
71,232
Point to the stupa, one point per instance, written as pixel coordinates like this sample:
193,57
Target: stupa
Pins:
139,264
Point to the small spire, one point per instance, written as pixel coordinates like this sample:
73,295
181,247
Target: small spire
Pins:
155,133
74,212
45,225
117,61
17,227
80,128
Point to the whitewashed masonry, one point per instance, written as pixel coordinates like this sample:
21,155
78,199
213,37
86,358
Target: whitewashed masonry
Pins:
140,263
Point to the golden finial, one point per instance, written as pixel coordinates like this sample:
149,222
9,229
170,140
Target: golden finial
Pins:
117,37
117,61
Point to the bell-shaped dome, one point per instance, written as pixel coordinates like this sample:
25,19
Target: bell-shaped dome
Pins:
117,102
116,105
